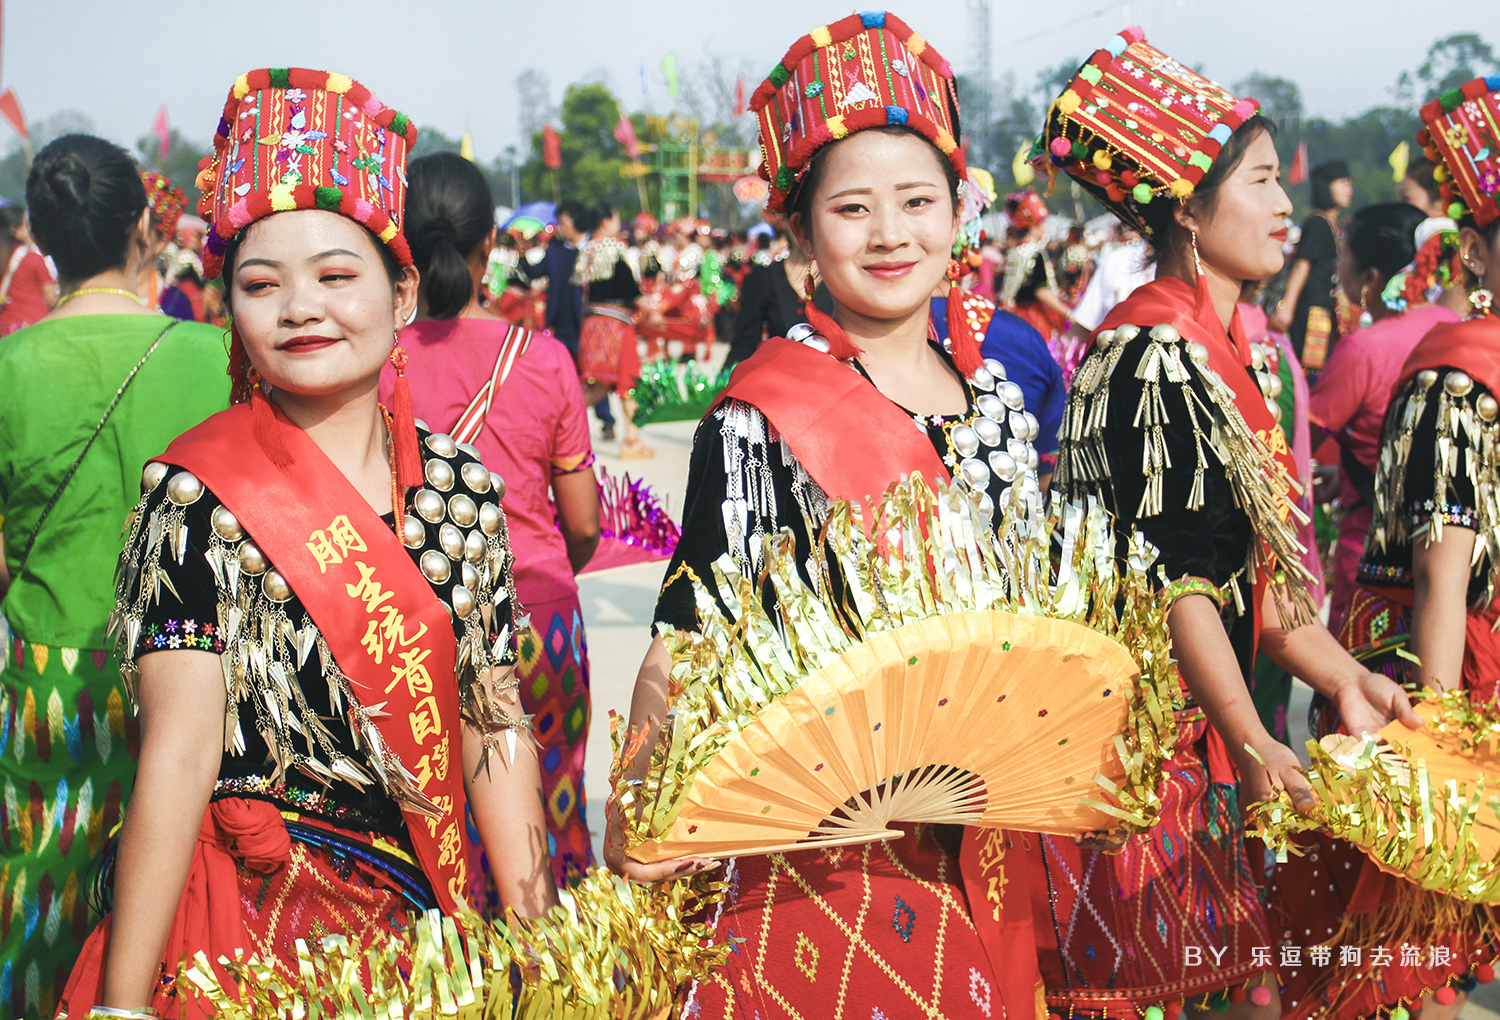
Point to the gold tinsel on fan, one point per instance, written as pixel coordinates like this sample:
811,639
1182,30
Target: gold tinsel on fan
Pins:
620,953
1419,803
821,724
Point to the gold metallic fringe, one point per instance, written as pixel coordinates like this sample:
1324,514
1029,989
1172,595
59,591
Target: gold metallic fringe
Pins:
620,953
1463,415
936,553
1373,795
1262,487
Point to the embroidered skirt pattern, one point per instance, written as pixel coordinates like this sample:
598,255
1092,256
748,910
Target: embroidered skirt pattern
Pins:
553,669
1112,928
607,348
859,932
68,742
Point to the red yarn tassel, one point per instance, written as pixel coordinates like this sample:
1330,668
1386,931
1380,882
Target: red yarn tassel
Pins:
268,430
839,344
962,343
403,424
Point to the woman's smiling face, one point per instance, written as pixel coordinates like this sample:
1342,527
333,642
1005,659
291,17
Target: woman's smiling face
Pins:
881,223
313,302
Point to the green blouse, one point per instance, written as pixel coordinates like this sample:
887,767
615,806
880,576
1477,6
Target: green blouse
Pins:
56,379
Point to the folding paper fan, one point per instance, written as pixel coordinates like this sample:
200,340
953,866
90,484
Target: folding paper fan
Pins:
1420,803
988,692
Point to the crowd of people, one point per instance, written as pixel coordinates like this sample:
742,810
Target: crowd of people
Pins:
295,493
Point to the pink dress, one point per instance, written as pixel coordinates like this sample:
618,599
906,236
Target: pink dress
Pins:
1349,402
535,431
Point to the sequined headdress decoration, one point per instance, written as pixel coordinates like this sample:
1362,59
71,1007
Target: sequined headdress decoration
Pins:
294,139
866,70
1134,125
1025,209
291,138
1461,135
166,202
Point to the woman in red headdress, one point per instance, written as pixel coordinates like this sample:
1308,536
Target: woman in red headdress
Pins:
868,167
1426,606
1169,424
315,604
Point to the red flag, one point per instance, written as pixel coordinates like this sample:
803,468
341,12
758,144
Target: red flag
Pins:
625,135
740,106
551,148
1298,173
10,109
162,129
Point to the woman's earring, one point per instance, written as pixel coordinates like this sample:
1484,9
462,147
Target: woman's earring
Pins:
1481,299
809,285
1197,262
252,375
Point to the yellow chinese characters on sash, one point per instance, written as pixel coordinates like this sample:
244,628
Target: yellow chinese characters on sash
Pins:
381,619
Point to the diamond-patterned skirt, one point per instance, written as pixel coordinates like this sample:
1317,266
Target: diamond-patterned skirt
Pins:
1115,930
553,668
873,932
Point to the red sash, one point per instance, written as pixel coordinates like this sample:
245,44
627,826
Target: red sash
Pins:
855,442
852,439
357,587
1472,345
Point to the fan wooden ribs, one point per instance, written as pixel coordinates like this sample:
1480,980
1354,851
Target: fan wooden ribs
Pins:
978,718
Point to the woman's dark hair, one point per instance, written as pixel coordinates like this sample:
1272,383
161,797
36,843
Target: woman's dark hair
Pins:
1166,238
1420,174
449,214
86,198
581,215
1383,236
393,269
1320,182
799,199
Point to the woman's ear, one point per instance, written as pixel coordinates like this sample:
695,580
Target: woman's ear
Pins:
796,225
1183,214
1478,258
145,236
406,297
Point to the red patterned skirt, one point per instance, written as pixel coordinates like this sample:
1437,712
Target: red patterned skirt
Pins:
874,931
1335,896
254,886
607,348
1117,930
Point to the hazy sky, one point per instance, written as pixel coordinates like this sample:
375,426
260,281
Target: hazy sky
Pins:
452,63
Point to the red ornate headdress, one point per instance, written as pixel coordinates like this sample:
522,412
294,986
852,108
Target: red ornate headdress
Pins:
166,202
295,139
291,138
866,70
1461,135
1134,125
1025,209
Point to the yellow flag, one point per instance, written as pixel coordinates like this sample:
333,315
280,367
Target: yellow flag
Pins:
1400,159
1019,168
466,147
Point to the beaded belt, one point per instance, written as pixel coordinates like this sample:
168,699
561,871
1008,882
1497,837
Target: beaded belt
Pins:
310,802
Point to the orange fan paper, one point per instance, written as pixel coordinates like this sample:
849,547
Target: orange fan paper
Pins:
984,691
1420,803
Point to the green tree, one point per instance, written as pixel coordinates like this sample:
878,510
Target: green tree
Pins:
1280,99
13,166
591,158
1450,62
180,166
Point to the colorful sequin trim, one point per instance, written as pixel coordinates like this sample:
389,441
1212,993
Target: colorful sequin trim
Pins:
1421,513
573,464
308,802
180,634
1198,586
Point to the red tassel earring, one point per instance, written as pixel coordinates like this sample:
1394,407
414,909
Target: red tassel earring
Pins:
963,341
839,344
404,437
